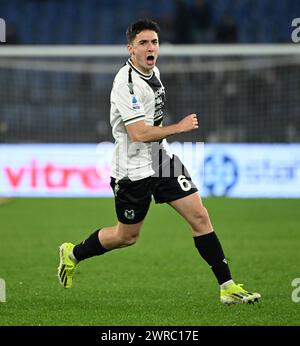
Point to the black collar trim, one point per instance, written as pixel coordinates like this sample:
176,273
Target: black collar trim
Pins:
146,76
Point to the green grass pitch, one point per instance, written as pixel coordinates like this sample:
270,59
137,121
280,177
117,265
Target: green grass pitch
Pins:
160,281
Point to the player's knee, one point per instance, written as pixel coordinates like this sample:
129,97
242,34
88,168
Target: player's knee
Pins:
201,215
129,240
128,234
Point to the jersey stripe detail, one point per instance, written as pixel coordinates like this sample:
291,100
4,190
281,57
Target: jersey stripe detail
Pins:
130,84
127,121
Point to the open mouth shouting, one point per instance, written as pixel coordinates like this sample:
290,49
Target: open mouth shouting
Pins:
150,59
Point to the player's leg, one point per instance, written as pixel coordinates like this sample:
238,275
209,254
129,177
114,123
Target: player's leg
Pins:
107,239
98,243
121,235
181,193
205,239
132,201
210,249
194,212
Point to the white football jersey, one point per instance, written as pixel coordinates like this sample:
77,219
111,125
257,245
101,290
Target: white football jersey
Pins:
134,97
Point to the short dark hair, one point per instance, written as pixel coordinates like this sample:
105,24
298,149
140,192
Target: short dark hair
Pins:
137,27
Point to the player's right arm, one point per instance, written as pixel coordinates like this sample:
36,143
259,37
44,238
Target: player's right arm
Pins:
141,132
131,109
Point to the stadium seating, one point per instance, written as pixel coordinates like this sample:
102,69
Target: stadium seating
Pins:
104,22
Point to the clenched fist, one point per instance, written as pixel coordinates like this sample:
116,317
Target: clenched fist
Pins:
188,123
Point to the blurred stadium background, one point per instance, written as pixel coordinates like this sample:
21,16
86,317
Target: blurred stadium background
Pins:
232,62
245,97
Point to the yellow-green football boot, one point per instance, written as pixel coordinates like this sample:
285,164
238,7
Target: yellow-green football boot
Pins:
66,265
235,294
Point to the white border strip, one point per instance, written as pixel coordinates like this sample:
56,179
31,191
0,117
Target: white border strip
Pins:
166,50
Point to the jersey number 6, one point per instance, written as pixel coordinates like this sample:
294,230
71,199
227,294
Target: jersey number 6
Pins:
184,183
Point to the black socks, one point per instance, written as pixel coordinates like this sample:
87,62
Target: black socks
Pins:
89,248
208,245
211,251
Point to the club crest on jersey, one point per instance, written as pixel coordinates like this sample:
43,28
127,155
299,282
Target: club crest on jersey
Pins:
129,214
135,102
